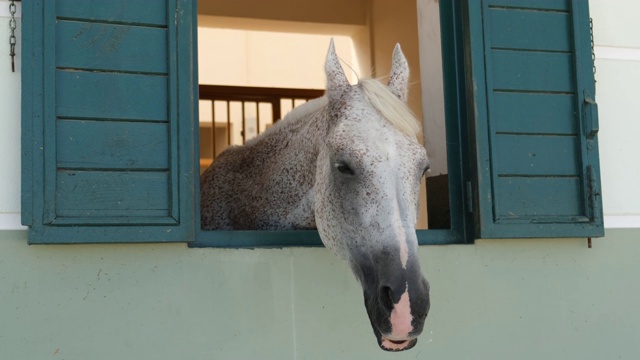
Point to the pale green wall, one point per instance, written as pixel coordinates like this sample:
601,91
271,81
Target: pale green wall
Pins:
511,299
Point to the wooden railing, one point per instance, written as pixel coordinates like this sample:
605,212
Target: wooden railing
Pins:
217,133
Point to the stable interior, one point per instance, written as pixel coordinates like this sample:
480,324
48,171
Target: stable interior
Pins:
258,60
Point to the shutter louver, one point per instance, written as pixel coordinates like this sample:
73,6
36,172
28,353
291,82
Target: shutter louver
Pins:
531,104
108,130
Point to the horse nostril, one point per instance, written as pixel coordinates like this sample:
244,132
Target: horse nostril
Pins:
386,298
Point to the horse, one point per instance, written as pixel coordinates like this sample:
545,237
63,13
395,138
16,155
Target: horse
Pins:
349,165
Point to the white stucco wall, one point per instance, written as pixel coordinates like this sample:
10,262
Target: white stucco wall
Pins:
616,30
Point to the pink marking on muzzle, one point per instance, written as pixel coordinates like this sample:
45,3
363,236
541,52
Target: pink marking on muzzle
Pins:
401,318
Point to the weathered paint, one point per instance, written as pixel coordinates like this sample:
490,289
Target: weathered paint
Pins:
137,183
550,186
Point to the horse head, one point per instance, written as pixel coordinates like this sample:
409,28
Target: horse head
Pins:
367,195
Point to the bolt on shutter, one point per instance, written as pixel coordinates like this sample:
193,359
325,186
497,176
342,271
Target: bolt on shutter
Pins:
109,96
534,119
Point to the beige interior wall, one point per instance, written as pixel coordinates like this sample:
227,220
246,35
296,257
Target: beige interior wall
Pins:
435,136
229,54
349,12
392,22
361,38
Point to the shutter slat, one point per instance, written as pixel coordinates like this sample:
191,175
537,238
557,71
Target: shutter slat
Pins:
94,95
536,155
121,145
121,11
532,71
533,197
112,193
85,45
512,29
540,5
529,113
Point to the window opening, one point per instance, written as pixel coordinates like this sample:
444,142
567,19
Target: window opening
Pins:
241,47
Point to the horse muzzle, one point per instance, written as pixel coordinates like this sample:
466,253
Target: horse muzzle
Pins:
398,313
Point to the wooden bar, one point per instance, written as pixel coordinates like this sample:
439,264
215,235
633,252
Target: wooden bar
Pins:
275,109
246,93
228,124
244,122
213,130
257,118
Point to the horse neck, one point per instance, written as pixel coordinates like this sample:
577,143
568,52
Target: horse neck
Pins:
285,163
295,139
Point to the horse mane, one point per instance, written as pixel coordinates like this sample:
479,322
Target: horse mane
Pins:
307,108
391,107
292,116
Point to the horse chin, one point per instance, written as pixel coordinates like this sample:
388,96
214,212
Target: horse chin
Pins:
393,345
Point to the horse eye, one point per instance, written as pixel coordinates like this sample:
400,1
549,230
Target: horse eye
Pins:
343,168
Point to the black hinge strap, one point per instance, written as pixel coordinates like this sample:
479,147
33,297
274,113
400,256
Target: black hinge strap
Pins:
469,191
591,122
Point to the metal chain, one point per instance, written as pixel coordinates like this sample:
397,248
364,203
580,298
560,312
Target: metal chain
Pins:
12,36
593,51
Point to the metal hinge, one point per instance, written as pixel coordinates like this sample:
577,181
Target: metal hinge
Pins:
594,192
591,122
469,191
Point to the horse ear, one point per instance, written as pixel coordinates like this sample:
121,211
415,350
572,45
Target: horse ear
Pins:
399,76
336,79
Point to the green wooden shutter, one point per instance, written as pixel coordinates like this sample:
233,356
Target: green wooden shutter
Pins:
534,119
109,98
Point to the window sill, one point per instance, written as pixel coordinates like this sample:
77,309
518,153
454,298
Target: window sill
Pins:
298,238
255,239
